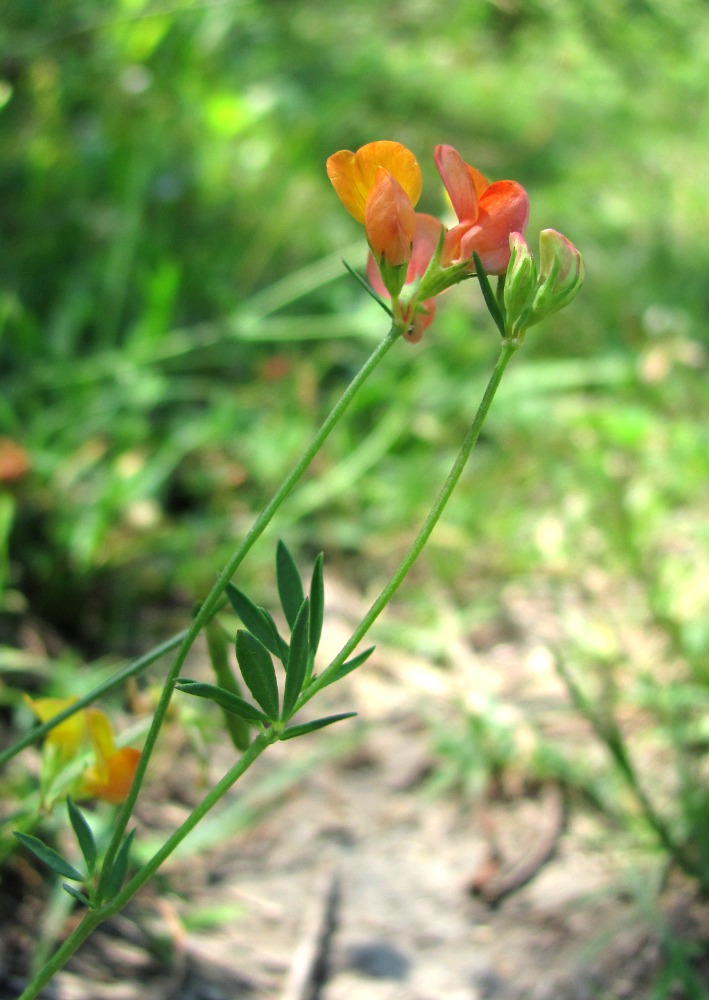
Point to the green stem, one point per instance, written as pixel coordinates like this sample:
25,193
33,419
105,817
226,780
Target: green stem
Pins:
610,735
137,666
508,349
94,917
212,602
131,669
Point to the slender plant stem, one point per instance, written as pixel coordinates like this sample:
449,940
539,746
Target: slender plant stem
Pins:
131,669
95,917
212,602
508,349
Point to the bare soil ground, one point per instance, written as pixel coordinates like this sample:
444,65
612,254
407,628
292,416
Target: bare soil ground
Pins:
334,874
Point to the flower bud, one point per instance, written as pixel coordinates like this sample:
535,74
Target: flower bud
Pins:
561,274
389,220
520,283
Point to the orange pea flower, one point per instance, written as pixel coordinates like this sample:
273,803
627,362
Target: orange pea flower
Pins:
379,185
487,213
418,317
389,220
111,777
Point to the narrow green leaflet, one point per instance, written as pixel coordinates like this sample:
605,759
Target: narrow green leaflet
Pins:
297,659
78,895
290,585
309,727
282,654
255,619
489,296
349,666
84,835
218,648
368,289
317,604
49,856
225,699
117,875
257,670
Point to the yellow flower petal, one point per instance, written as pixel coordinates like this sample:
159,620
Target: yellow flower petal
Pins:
101,735
353,174
67,736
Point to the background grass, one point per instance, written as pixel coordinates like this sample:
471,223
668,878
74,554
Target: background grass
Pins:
176,319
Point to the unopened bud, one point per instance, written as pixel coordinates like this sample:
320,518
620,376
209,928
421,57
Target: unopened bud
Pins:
520,284
561,274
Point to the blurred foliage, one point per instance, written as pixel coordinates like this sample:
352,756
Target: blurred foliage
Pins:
175,319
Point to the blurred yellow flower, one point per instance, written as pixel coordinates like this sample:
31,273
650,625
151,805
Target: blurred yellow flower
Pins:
111,777
68,736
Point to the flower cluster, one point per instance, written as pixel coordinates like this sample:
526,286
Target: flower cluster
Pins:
111,776
414,257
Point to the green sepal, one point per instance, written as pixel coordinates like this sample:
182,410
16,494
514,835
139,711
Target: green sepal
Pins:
292,732
84,835
393,275
368,289
491,302
256,620
225,699
78,895
317,604
290,585
49,856
297,665
258,672
117,875
349,666
218,648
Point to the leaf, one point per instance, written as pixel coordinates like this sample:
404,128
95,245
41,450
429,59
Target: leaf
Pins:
255,619
257,670
282,653
290,585
349,666
309,727
218,649
117,874
84,835
225,699
317,604
368,289
297,659
78,895
49,856
489,296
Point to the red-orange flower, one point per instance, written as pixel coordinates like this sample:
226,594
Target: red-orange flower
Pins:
427,233
487,213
